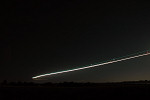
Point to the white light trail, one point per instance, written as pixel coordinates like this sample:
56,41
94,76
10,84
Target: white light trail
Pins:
109,62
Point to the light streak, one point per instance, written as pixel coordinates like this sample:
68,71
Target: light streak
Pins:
104,63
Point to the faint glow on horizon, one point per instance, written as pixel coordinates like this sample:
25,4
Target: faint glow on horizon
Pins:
109,62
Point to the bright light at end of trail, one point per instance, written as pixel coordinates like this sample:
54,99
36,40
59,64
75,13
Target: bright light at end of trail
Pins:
109,62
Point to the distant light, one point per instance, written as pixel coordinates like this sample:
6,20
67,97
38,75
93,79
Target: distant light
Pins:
103,63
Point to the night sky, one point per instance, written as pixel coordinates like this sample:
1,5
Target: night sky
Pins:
50,36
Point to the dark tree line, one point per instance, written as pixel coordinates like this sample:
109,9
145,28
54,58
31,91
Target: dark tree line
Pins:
73,84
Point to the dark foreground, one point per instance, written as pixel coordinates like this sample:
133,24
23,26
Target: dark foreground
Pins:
87,92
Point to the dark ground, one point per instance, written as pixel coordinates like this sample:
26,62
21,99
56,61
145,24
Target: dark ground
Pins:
76,92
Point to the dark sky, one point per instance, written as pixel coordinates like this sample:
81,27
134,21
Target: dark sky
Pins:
49,36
